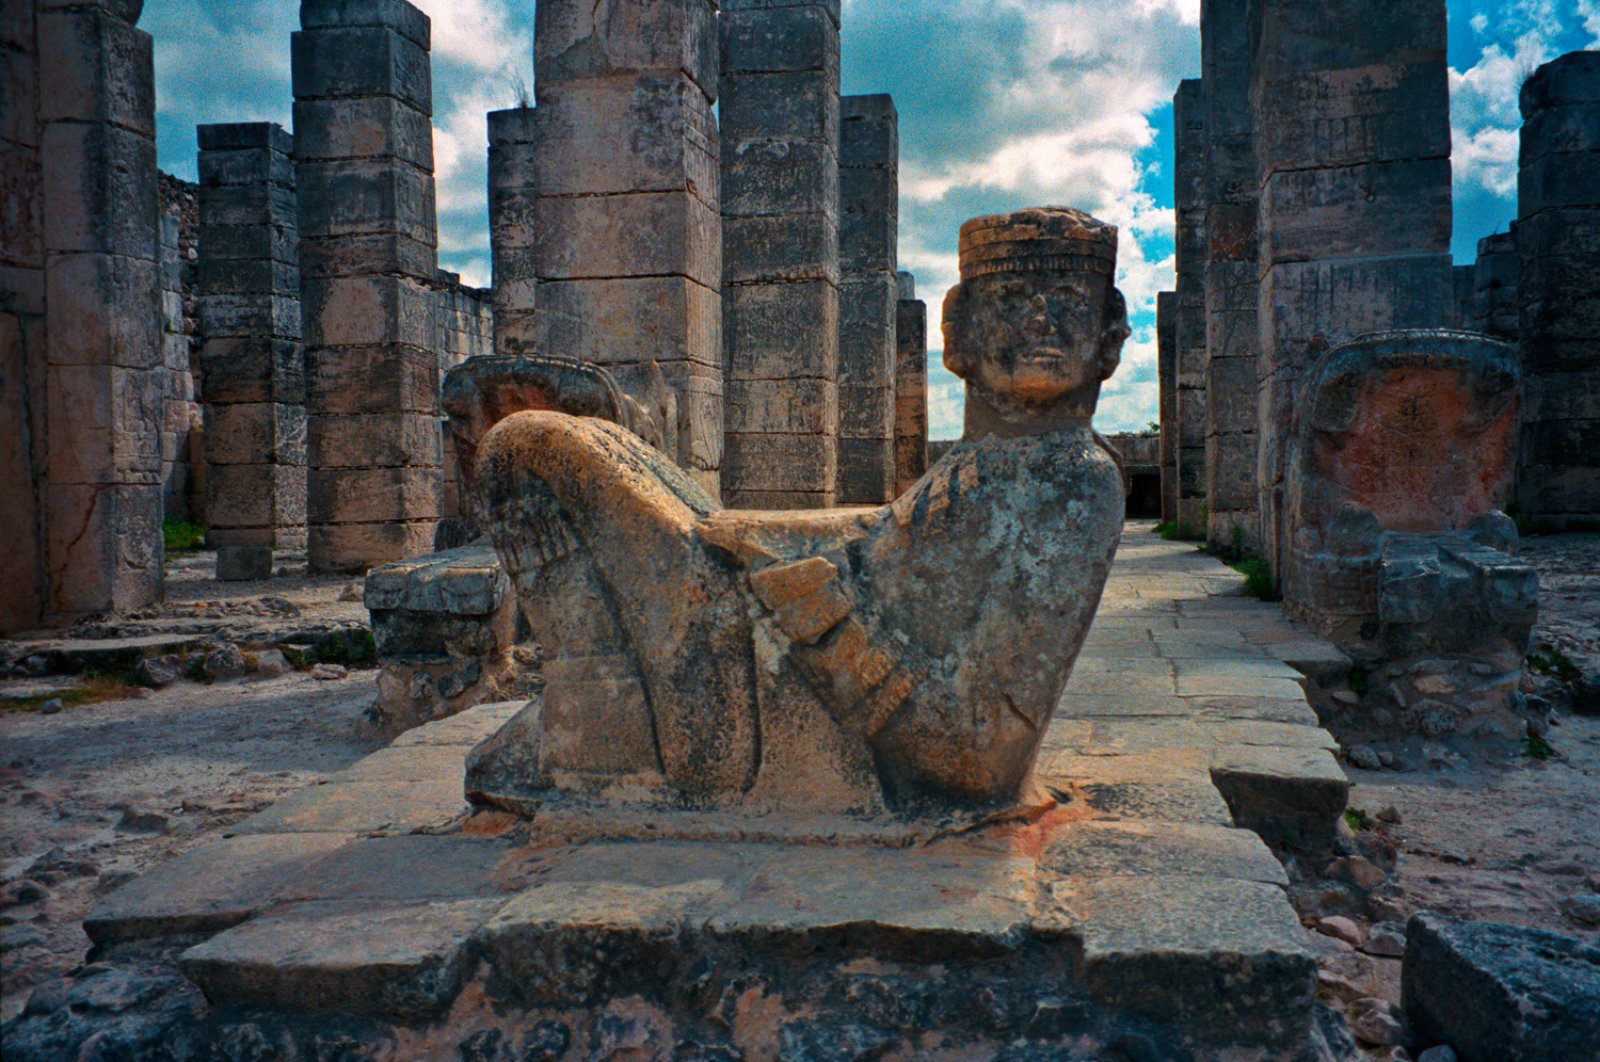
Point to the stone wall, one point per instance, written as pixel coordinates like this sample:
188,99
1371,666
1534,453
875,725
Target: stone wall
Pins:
869,215
628,229
512,230
910,386
364,152
252,365
1558,240
780,177
1231,282
1190,412
1350,104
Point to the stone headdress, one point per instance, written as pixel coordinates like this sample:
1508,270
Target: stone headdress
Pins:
1038,240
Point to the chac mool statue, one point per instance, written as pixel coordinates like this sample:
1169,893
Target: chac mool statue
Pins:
902,659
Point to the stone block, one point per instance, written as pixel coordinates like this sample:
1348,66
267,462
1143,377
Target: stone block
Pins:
247,276
620,135
377,440
343,63
799,106
398,15
870,131
1231,471
244,136
1231,395
1560,131
1495,991
367,197
94,68
252,369
1383,112
866,411
277,243
648,234
867,307
256,204
356,548
1333,301
366,255
799,406
365,127
789,463
278,316
576,41
1551,182
1573,395
866,471
102,182
358,311
779,177
786,248
868,220
374,379
630,320
244,564
115,562
1295,795
256,433
1390,209
104,425
1105,849
781,331
776,500
1573,78
254,496
247,166
1192,423
103,310
779,40
830,7
1294,39
374,495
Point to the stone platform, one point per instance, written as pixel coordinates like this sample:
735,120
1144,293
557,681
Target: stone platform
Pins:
1134,919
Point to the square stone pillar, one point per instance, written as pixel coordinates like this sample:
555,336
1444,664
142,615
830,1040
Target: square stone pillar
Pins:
869,220
364,165
1495,274
780,178
628,228
1167,380
252,363
512,230
1558,243
1189,125
1351,111
910,386
22,335
1231,285
96,127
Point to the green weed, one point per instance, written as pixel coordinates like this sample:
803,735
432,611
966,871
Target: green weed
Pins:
183,537
1257,579
1359,820
1537,748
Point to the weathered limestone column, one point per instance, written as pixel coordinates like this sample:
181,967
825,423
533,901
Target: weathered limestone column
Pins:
910,386
869,220
512,232
1558,239
103,505
1189,124
364,153
251,364
1352,117
1167,377
1231,285
780,178
24,365
628,216
1495,310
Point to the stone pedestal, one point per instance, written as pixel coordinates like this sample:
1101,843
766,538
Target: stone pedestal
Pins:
1350,105
627,221
910,386
364,166
1558,241
513,233
781,314
252,361
1190,401
1231,281
869,217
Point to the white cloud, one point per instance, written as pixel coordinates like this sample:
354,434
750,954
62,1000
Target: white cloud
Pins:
1479,22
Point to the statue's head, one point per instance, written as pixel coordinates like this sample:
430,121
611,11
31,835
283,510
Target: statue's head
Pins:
1036,323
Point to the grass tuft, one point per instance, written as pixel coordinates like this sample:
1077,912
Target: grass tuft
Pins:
183,537
91,689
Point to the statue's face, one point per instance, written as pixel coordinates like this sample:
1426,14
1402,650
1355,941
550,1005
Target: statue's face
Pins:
1032,337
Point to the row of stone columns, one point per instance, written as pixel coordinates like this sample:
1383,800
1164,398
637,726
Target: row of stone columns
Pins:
1188,310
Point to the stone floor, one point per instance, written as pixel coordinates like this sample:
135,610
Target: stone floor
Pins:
1138,913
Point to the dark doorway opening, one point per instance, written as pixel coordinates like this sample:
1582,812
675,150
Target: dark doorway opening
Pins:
1144,496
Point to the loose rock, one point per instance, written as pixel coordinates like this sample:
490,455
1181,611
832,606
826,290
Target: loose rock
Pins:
329,672
1341,928
157,672
224,662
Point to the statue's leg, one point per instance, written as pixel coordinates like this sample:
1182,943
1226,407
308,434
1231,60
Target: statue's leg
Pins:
634,514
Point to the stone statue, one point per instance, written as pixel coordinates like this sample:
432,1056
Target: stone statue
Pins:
901,659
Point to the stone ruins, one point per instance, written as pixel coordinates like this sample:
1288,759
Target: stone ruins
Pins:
727,714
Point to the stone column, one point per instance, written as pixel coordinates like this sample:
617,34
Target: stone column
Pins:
780,176
1231,285
1167,376
1558,240
512,233
628,240
1495,310
1351,112
24,365
252,366
869,219
103,505
910,386
1189,124
364,154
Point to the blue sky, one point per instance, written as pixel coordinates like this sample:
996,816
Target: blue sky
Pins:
1003,104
